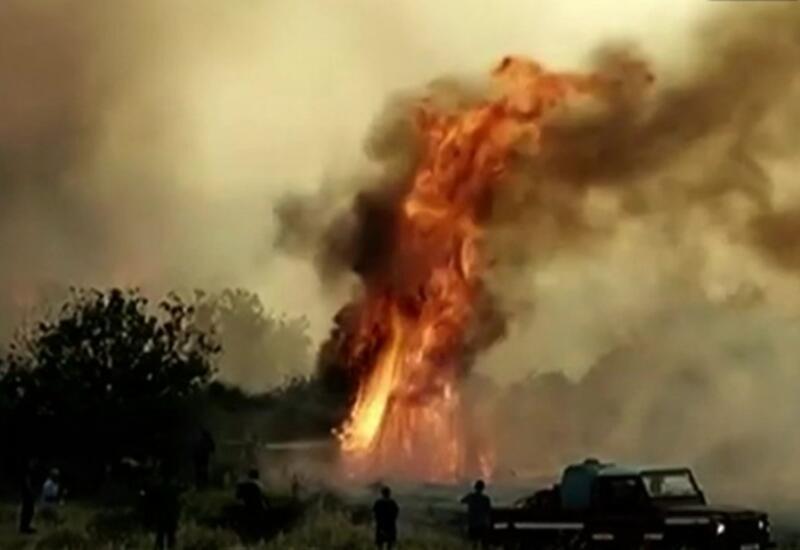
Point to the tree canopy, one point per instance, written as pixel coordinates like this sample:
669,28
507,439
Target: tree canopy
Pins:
262,350
108,376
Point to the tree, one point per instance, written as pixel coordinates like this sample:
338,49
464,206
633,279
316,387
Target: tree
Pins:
107,377
262,350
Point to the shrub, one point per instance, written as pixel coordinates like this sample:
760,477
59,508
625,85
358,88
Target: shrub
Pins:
9,514
114,525
330,526
49,516
16,543
328,529
430,540
105,378
209,508
64,538
198,537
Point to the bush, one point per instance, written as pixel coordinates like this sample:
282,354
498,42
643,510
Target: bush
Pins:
198,537
49,516
209,508
15,543
427,540
64,538
328,529
114,525
9,514
106,378
330,526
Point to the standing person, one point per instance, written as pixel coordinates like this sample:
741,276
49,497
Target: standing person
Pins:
479,515
202,450
27,499
164,507
385,511
251,494
51,495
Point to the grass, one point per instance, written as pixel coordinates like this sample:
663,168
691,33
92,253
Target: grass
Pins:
334,529
326,524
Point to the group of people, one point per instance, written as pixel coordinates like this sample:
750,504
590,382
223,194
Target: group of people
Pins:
162,502
160,491
163,505
479,517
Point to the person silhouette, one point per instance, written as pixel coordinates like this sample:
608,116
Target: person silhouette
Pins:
51,495
255,518
27,498
165,505
202,449
385,511
479,515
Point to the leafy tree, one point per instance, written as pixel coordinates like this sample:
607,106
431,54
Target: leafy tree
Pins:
107,377
262,350
300,408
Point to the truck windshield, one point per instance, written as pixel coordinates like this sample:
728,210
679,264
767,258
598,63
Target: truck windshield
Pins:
670,484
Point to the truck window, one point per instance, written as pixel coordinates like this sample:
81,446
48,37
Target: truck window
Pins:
618,493
670,484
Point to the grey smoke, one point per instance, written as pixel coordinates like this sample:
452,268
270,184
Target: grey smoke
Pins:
641,261
150,143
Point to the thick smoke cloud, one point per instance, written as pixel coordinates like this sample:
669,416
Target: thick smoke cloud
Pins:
706,385
698,142
685,183
45,131
110,172
689,157
66,219
644,258
679,207
148,143
122,164
144,143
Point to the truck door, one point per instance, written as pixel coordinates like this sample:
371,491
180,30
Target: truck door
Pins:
620,512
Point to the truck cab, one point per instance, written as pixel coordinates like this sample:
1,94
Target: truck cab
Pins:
607,506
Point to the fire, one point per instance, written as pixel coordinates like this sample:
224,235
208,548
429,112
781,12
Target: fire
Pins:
412,326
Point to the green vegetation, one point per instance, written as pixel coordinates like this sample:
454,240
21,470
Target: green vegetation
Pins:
111,385
324,523
91,385
108,379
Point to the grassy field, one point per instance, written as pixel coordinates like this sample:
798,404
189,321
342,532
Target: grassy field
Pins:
325,523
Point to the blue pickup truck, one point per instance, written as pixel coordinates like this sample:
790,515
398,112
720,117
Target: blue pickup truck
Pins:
598,505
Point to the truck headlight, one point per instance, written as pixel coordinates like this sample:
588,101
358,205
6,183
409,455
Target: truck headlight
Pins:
720,529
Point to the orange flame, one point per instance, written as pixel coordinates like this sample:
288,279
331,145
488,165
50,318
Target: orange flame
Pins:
408,416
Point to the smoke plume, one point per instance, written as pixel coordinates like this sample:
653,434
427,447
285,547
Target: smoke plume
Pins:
665,207
149,143
664,222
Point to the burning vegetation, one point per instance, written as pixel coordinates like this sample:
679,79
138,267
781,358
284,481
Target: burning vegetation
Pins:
692,187
409,337
512,179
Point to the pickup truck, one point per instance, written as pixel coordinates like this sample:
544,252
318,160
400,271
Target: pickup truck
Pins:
604,506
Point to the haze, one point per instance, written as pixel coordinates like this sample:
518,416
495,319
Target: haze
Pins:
149,143
145,143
